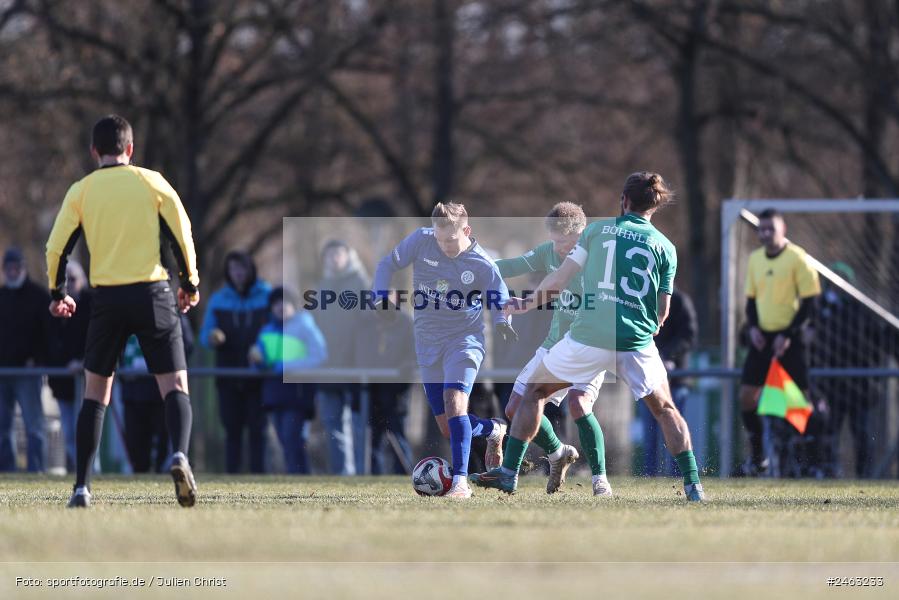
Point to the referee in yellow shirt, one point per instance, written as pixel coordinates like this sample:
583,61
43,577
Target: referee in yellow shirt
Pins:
780,288
126,213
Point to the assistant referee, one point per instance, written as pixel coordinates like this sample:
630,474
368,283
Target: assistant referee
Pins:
781,287
126,214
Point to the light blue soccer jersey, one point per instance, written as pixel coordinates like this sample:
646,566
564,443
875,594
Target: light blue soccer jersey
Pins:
449,294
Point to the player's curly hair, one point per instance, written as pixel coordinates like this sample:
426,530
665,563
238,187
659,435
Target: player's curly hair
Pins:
566,218
647,191
450,212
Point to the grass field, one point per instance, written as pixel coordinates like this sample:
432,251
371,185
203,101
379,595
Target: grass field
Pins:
314,537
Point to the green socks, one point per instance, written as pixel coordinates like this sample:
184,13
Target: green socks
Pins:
592,443
546,438
686,462
515,450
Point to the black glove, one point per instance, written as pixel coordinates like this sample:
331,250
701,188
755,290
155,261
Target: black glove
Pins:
505,331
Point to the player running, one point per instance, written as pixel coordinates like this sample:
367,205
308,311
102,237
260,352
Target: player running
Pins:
125,213
615,333
452,279
565,223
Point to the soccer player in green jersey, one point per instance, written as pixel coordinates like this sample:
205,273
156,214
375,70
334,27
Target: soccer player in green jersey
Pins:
628,270
565,223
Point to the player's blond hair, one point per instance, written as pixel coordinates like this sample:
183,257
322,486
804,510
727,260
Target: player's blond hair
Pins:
449,213
566,218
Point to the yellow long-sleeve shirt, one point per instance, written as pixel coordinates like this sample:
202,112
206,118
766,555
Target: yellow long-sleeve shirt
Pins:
122,211
778,285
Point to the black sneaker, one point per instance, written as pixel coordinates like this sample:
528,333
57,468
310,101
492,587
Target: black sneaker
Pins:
185,486
81,498
495,478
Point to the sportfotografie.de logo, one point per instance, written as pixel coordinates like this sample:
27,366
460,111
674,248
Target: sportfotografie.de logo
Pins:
437,297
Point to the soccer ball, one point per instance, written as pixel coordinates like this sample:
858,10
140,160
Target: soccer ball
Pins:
432,476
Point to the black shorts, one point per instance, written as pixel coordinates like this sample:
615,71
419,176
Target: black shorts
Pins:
147,310
755,369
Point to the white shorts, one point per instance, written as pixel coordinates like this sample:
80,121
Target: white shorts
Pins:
521,382
642,370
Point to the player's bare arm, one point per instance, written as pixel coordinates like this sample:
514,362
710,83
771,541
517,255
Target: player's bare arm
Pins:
664,308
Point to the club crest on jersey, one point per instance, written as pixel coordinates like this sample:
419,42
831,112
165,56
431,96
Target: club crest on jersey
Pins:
566,298
442,286
467,277
433,263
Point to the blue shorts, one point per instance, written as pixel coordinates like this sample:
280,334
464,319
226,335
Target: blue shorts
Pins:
456,369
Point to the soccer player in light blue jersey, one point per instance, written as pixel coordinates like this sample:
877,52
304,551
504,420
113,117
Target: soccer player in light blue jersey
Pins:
628,268
453,281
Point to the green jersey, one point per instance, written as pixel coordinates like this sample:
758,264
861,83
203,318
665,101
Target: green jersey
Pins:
543,259
626,263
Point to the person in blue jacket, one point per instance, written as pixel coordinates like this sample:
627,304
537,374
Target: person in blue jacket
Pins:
288,343
235,314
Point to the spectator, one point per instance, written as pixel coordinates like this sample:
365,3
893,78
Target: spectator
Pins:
288,343
675,341
389,345
146,435
234,316
848,335
66,349
24,331
337,405
780,289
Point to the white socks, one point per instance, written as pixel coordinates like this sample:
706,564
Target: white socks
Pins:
557,454
460,480
497,434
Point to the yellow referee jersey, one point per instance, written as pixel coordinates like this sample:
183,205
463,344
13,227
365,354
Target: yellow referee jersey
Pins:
122,211
778,284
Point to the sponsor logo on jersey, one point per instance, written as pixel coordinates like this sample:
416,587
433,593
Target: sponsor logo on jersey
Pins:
467,277
442,286
396,254
433,263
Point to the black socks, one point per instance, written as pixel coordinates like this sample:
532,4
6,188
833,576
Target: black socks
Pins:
178,420
753,424
87,439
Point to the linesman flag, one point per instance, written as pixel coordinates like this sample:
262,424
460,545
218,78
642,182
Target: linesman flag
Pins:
781,397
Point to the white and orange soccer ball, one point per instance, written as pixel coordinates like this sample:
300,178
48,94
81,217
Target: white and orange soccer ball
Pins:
432,476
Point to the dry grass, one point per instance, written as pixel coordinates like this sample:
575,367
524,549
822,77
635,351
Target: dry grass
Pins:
311,537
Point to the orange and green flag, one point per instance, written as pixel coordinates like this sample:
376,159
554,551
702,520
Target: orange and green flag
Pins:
781,397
